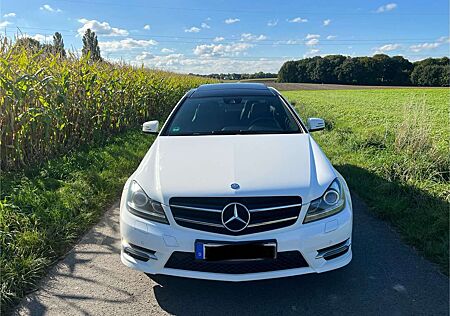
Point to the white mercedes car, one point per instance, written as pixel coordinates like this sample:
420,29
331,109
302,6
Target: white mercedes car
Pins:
234,188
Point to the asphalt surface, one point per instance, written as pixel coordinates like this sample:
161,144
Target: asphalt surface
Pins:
385,277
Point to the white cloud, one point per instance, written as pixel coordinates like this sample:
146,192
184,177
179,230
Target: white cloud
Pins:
387,7
330,37
311,53
232,20
167,50
289,42
429,46
42,38
100,28
5,23
413,58
218,39
326,22
312,42
272,23
125,44
9,15
205,26
249,37
425,46
309,36
146,27
208,50
386,48
143,56
38,37
207,65
297,20
193,29
48,8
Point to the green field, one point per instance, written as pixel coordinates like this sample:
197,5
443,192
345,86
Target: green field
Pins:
392,147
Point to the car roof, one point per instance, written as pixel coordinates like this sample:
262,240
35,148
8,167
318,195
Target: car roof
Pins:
231,89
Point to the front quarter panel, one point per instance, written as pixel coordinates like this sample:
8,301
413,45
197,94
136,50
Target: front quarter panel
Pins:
322,171
147,174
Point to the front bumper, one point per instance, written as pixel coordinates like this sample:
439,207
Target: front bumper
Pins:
309,239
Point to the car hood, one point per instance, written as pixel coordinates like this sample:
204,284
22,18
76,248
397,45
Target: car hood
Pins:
197,166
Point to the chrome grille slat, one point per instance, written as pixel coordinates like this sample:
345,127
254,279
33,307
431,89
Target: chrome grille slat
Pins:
274,208
273,222
197,208
197,222
267,212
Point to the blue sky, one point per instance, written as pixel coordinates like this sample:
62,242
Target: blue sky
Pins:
235,36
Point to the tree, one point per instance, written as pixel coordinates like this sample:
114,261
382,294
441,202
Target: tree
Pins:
288,72
431,72
351,71
302,71
333,62
90,46
30,44
58,45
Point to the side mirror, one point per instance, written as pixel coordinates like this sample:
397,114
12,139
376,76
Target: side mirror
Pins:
150,127
315,124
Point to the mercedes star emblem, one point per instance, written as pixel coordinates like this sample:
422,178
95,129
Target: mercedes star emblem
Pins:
235,217
235,186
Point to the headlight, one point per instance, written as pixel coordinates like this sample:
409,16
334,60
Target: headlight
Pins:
330,203
139,204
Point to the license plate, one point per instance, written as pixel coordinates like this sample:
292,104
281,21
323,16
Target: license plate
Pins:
219,251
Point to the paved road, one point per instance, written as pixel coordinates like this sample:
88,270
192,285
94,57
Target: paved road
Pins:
385,278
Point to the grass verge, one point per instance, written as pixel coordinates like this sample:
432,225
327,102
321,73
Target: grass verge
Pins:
44,210
392,147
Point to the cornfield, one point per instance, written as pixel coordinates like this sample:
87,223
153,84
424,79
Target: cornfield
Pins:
52,105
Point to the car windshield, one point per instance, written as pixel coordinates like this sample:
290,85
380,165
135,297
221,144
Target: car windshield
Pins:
232,115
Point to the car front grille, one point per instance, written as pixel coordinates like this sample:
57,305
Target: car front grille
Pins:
266,212
285,260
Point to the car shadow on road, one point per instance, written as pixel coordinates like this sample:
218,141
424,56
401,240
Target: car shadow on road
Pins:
279,296
420,217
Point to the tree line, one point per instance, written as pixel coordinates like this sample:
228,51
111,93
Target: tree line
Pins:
380,69
236,76
91,49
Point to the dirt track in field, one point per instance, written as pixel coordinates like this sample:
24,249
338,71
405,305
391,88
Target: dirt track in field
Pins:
318,86
324,86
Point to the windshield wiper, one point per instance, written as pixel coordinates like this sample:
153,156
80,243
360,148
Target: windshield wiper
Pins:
234,132
230,132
